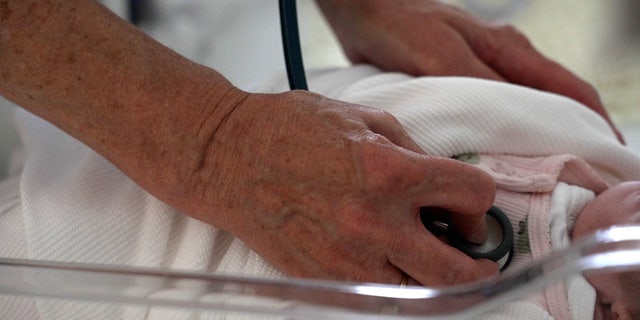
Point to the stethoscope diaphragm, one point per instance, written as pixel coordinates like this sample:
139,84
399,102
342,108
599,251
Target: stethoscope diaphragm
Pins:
497,247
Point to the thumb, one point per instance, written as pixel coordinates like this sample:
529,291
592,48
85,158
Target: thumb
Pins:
465,192
432,262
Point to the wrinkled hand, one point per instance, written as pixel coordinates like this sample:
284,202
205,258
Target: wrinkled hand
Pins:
422,37
326,189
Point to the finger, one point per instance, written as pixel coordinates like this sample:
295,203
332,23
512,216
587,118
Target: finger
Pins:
551,77
466,192
473,228
515,63
455,186
431,262
508,52
451,57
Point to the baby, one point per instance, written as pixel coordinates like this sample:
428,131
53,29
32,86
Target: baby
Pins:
617,293
551,201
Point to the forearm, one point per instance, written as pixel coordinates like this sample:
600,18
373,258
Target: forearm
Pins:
106,83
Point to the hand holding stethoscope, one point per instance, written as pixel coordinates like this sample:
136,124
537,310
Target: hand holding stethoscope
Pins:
500,241
497,247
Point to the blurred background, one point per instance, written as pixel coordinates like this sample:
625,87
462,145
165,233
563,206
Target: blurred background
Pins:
597,40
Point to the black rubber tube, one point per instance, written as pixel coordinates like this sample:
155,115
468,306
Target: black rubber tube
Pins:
291,45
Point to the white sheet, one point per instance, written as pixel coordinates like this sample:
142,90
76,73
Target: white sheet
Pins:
75,206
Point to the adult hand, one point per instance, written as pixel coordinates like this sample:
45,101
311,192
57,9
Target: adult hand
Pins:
326,189
421,37
318,187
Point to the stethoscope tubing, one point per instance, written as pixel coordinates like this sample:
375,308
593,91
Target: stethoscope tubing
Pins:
291,45
298,81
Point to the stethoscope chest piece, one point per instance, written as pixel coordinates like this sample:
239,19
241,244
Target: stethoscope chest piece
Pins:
497,247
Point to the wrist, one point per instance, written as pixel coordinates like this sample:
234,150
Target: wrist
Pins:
169,144
145,108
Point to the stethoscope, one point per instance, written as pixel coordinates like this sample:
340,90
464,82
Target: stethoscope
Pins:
499,244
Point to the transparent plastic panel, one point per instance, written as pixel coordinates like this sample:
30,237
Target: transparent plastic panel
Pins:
612,250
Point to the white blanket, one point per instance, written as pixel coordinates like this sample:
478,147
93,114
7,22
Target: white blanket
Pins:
449,116
69,204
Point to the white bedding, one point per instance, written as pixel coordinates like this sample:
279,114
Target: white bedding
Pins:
70,204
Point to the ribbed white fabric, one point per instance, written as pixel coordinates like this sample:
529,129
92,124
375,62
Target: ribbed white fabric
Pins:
450,116
75,206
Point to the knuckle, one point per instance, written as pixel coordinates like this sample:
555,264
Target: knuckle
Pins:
381,118
379,165
513,36
387,117
498,38
450,59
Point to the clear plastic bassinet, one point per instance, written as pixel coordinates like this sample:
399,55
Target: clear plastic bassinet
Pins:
616,249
